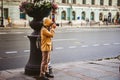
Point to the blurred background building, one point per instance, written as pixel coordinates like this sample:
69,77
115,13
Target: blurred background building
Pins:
69,11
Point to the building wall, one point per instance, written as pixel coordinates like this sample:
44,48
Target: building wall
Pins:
78,8
11,9
68,8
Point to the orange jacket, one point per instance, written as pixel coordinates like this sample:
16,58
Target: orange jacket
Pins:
46,41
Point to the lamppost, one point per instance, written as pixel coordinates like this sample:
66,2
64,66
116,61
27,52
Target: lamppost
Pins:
1,19
33,67
53,12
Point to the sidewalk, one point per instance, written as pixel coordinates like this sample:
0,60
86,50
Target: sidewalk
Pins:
106,69
91,26
68,26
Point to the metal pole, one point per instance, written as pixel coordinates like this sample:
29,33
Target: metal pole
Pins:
53,13
2,21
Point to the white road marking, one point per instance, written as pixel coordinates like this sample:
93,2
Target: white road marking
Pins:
26,51
106,44
84,46
59,48
25,36
72,46
11,32
96,45
3,33
16,32
11,52
116,43
63,39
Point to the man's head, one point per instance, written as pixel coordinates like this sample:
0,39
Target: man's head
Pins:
47,22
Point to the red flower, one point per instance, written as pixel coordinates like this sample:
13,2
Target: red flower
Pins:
54,6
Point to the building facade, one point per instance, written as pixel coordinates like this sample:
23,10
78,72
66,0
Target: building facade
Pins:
70,10
11,10
95,10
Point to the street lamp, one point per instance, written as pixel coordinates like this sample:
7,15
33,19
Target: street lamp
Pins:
53,12
1,19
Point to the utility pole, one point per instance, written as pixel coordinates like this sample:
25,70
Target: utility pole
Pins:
2,18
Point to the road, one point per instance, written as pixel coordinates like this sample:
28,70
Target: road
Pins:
70,44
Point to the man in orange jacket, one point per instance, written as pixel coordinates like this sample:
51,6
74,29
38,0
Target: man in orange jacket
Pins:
47,32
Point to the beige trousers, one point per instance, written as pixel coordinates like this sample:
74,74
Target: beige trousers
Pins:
44,63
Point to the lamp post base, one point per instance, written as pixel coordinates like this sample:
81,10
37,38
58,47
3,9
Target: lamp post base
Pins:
1,25
33,66
32,70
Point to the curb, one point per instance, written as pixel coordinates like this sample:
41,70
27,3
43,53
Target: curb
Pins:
67,26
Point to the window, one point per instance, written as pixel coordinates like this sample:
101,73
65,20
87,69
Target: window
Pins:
22,15
6,13
83,1
110,2
118,2
73,15
63,16
92,16
109,17
74,1
101,16
117,15
93,2
83,15
63,1
101,2
67,1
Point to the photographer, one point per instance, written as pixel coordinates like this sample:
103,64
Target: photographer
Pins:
47,32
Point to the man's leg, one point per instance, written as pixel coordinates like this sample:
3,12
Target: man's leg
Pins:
44,65
49,72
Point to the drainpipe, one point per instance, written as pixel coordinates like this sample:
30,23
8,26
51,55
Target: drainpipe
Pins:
2,16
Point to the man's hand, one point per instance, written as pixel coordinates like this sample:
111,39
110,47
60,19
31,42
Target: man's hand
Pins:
54,26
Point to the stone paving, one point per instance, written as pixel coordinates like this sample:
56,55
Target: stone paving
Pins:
105,69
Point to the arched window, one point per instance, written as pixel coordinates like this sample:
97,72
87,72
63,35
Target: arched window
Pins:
83,1
92,16
117,15
83,15
110,2
73,15
63,1
109,17
93,2
101,2
63,16
101,16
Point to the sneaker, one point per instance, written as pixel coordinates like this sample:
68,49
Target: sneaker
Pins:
49,75
42,78
51,72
